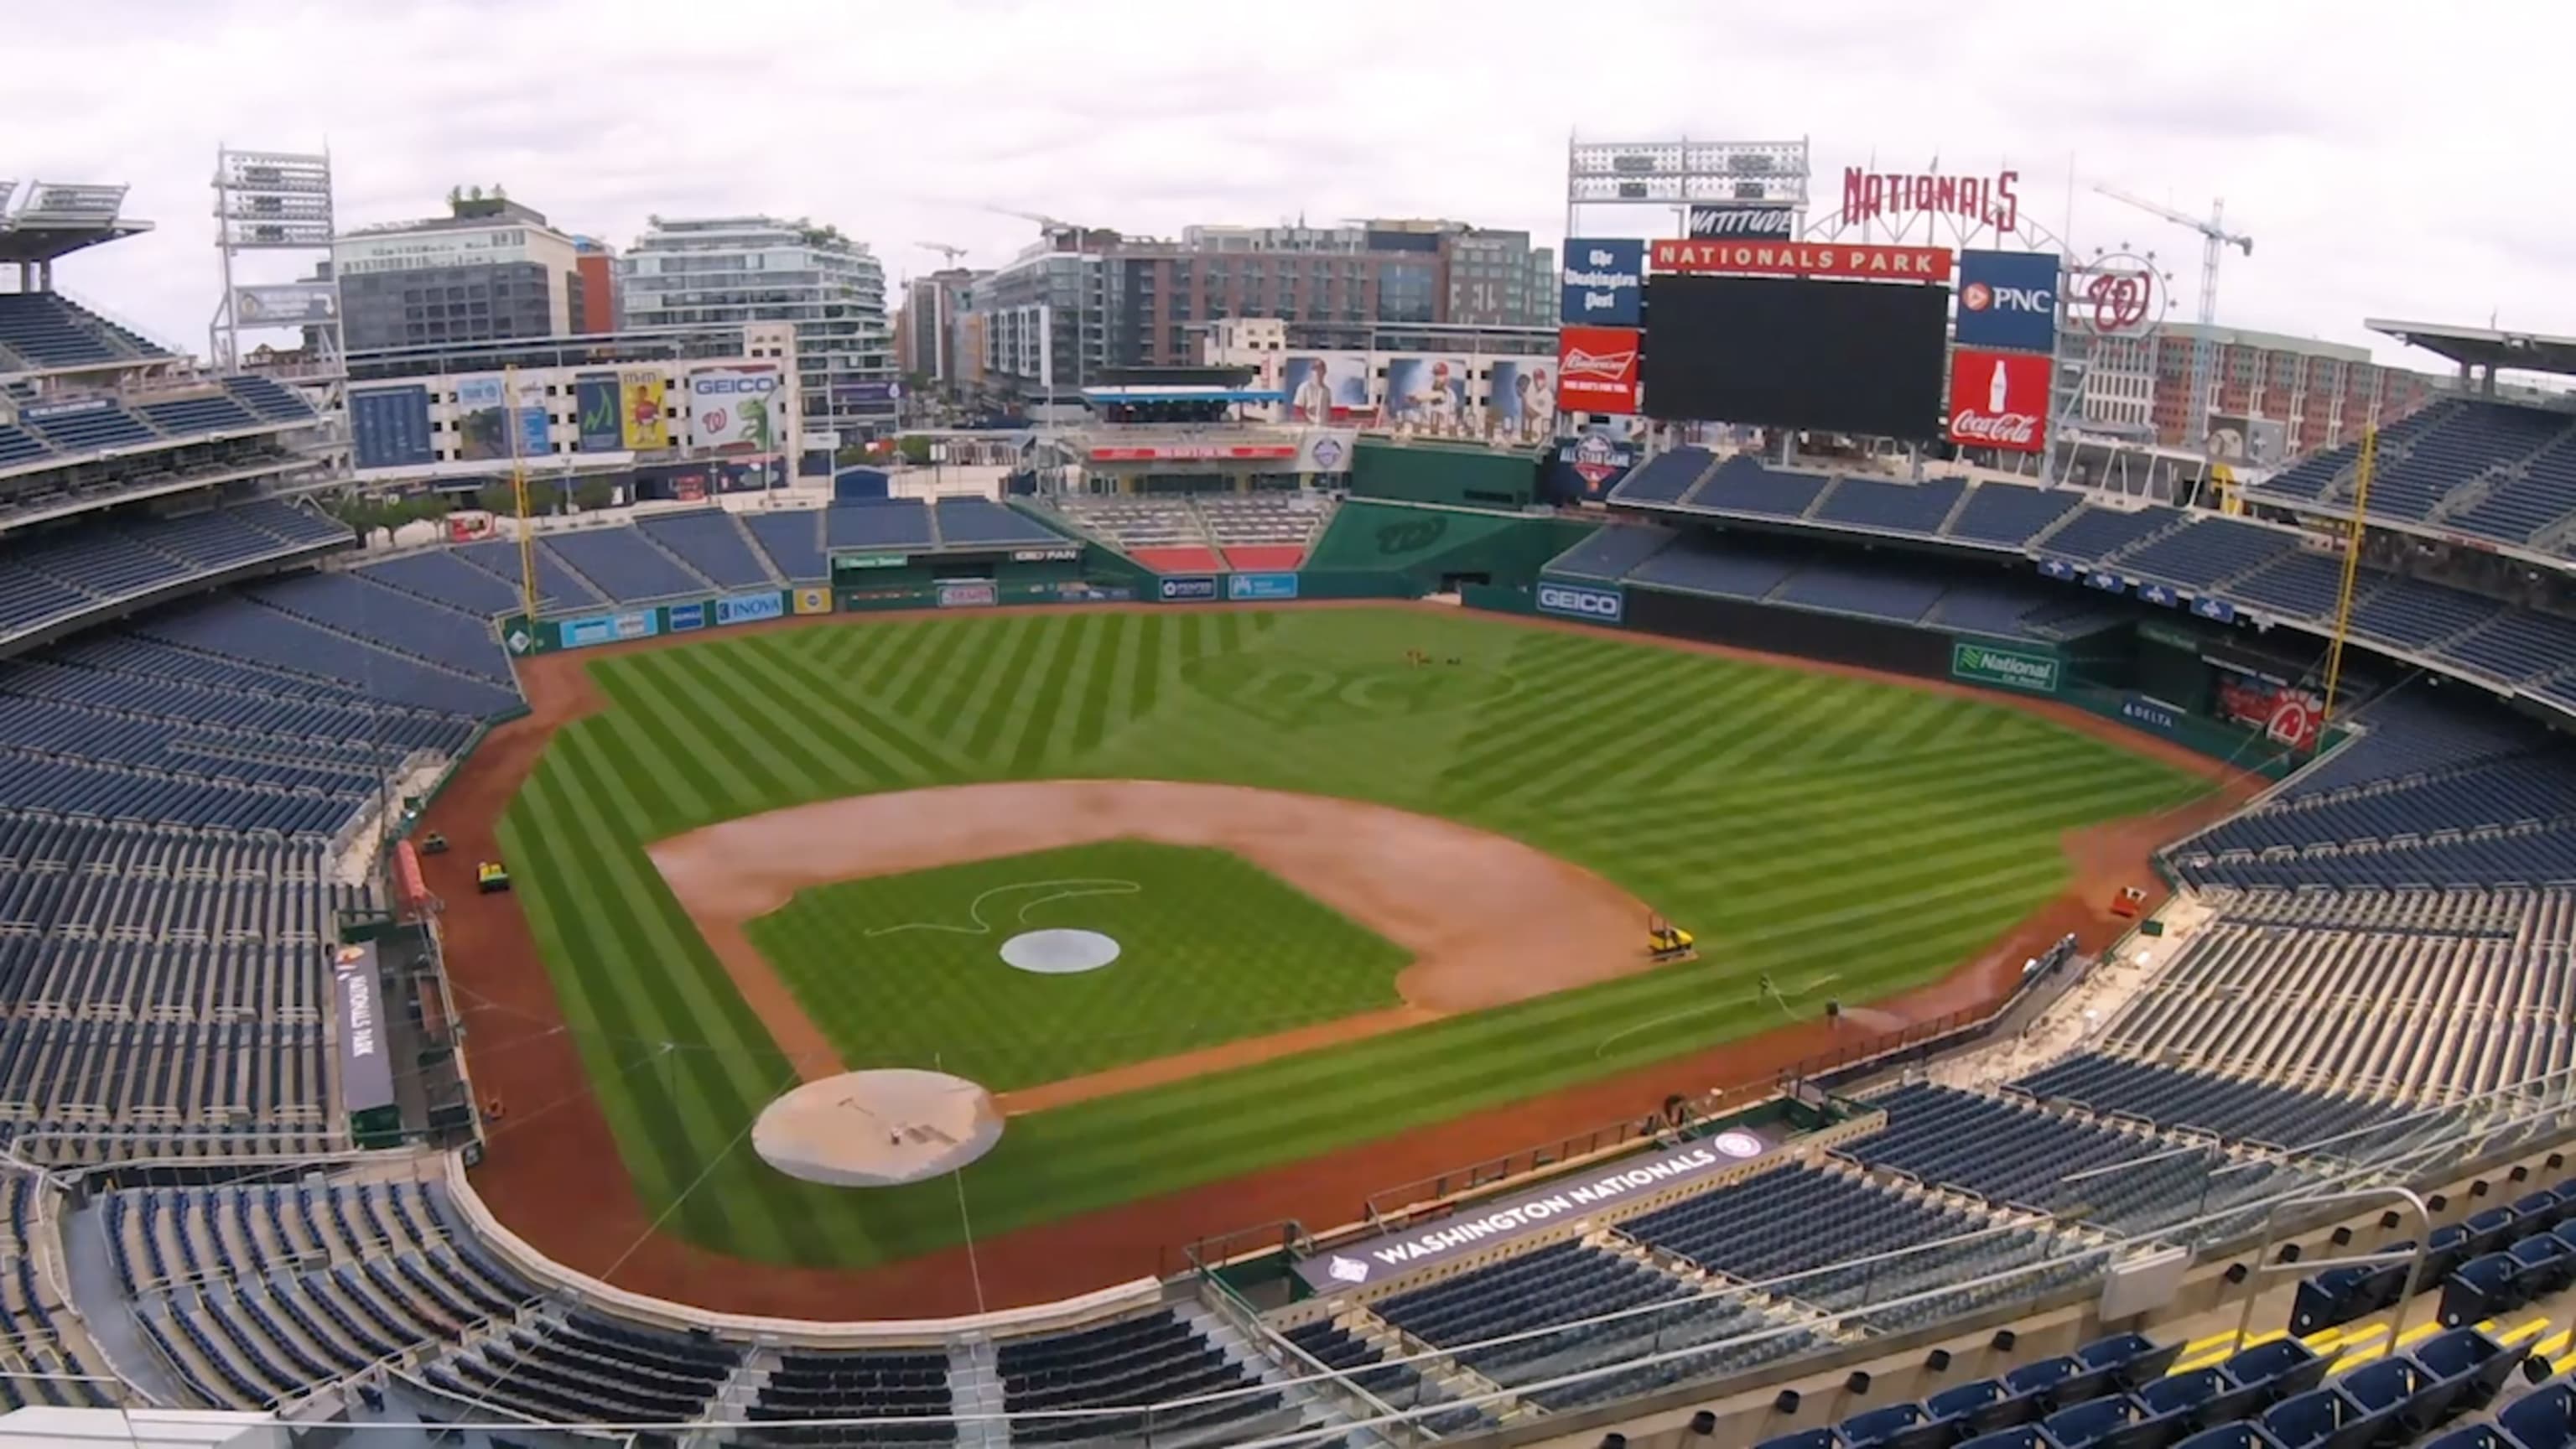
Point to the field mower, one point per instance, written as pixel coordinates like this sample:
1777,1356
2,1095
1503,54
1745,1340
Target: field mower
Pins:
1668,942
490,878
433,844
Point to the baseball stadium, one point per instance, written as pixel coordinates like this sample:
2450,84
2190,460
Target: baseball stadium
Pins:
1669,938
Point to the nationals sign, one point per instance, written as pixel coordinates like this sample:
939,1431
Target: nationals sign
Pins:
1999,400
1596,369
1865,260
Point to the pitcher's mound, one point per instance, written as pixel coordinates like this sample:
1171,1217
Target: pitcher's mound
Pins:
1059,952
878,1128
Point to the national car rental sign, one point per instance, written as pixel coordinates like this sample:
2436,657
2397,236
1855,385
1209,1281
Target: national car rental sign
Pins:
1999,400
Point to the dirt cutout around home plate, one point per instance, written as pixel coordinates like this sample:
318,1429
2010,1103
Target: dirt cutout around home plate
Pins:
1488,919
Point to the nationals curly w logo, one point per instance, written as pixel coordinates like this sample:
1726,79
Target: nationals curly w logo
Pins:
1412,535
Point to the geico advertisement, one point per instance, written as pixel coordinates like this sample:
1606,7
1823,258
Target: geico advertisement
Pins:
734,409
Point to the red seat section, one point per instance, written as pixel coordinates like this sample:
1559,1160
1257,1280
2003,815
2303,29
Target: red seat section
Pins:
1266,558
1178,560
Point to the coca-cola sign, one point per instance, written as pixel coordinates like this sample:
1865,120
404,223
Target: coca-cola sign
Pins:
1999,400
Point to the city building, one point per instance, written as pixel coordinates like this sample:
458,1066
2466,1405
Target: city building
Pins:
1082,300
2318,393
489,269
926,328
727,271
596,263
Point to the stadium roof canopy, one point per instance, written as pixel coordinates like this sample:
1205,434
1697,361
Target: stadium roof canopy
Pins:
55,218
2485,347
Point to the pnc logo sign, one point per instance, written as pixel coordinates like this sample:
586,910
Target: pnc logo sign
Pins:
2009,300
1573,601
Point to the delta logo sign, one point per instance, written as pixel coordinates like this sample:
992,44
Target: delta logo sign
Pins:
2008,299
1855,261
1596,369
1999,400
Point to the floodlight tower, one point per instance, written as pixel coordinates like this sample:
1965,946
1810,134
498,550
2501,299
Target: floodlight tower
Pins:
278,201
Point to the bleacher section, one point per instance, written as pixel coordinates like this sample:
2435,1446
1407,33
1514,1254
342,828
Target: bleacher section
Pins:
794,542
1897,588
2492,470
1157,1357
972,521
168,990
1611,553
43,330
894,523
2407,999
254,1293
712,543
621,563
52,577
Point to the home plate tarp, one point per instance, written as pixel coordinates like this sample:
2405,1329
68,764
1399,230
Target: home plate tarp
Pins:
1488,1224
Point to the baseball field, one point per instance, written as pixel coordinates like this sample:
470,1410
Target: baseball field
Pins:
1827,837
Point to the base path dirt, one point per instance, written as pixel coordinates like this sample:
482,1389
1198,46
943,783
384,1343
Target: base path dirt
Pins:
1489,920
553,1173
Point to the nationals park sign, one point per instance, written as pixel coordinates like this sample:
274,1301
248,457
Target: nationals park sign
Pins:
1485,1225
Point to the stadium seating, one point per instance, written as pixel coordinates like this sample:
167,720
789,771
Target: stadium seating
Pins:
711,542
970,520
269,399
45,1350
1610,552
441,576
2100,535
2293,994
235,627
888,523
45,330
1160,1356
621,564
793,539
2009,515
1665,478
1890,507
2174,1097
91,429
2208,551
1263,530
1742,485
1706,565
557,586
1397,1385
1874,589
893,1384
181,417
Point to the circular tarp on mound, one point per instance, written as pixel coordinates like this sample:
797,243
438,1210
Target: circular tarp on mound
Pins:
878,1128
1059,952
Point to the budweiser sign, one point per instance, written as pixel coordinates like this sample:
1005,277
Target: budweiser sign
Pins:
1979,200
1864,260
1999,400
1596,369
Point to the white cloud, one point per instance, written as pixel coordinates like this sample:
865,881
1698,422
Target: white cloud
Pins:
2387,158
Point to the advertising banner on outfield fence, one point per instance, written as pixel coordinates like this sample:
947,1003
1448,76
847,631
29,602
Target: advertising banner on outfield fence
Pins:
1260,588
482,419
681,618
1045,555
607,628
1605,281
1999,400
1582,601
2003,668
2153,713
1596,369
842,561
2008,299
642,419
1862,261
1186,590
812,599
749,608
1490,1224
734,409
1521,399
533,419
595,405
968,594
366,1062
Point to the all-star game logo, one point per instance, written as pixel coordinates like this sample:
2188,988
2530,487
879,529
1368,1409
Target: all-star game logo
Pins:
1595,461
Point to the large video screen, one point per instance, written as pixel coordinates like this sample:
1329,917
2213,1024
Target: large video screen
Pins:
1788,352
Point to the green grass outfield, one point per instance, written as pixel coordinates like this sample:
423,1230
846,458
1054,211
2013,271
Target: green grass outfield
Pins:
1844,836
906,971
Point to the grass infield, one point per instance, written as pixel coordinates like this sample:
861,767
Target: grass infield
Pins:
906,970
1847,837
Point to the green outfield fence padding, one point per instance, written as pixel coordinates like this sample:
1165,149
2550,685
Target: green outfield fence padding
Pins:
1355,584
1499,599
1463,475
1429,545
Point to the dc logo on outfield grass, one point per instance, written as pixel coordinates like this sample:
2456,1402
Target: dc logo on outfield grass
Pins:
1295,692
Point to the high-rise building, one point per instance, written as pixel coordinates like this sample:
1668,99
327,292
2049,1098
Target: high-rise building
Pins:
596,264
1086,299
731,270
489,270
926,329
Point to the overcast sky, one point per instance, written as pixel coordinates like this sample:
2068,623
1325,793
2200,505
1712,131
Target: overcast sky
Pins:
2390,160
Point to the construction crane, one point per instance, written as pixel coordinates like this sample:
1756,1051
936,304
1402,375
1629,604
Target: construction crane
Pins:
2215,238
947,252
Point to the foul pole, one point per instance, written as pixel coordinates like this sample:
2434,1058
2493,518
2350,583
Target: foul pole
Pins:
519,495
2351,571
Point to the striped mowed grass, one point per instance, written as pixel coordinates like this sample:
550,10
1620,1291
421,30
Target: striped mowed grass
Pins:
1845,837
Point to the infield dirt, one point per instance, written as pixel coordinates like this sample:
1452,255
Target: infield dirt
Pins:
553,1174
